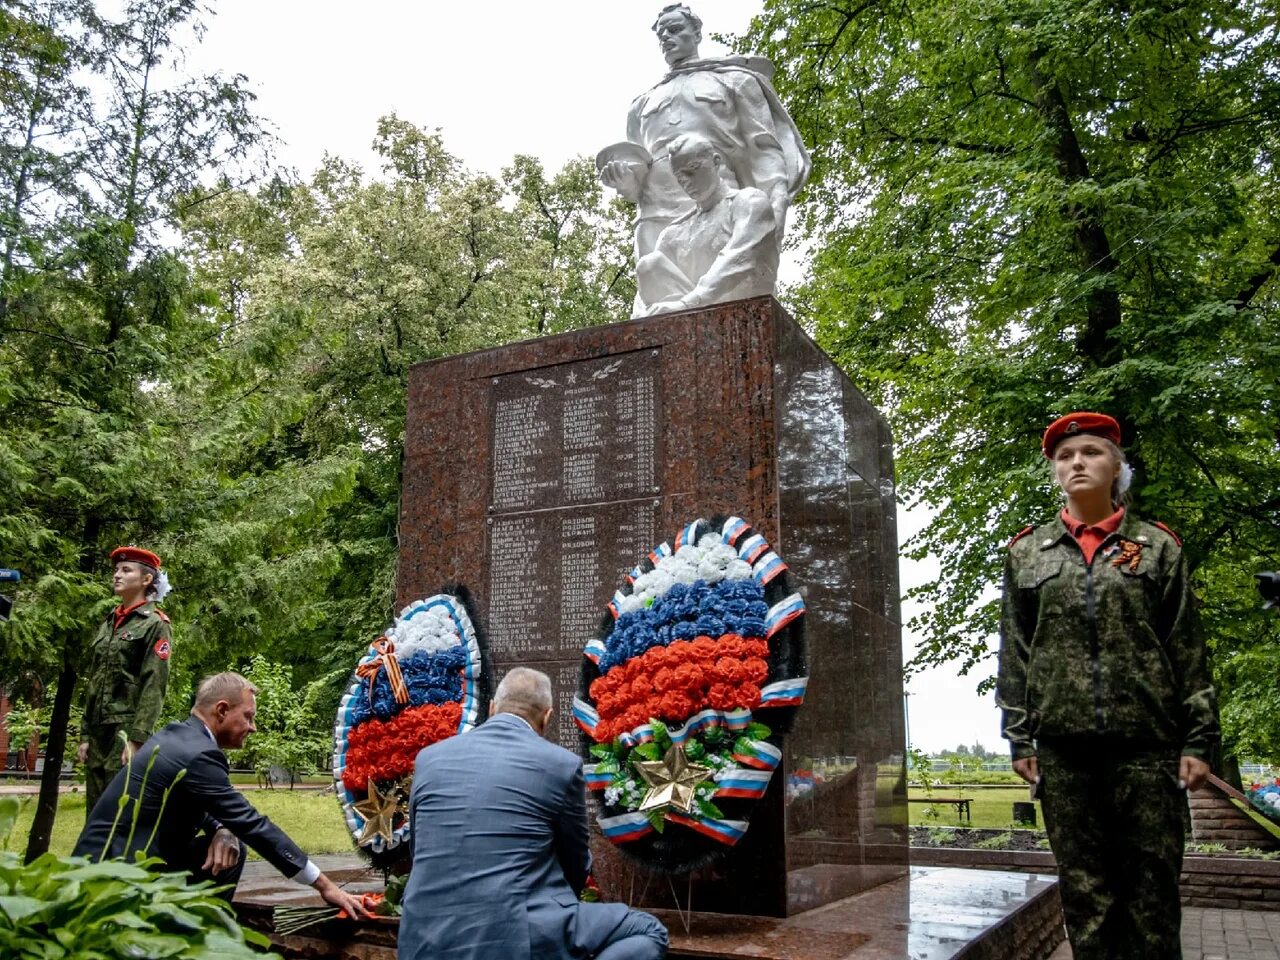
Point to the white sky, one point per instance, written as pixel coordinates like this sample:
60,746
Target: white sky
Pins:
499,77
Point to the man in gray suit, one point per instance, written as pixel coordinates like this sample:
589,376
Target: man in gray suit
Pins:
500,853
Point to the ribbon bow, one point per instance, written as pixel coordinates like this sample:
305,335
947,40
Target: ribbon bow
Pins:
386,657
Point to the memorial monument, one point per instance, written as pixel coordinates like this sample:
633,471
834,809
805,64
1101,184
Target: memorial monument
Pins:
542,474
705,473
730,103
536,474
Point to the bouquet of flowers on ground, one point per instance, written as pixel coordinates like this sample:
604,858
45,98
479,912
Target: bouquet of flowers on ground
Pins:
686,693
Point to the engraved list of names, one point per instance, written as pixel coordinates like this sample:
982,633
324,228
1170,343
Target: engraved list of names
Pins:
573,498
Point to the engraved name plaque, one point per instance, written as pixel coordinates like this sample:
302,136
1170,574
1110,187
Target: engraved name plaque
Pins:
574,499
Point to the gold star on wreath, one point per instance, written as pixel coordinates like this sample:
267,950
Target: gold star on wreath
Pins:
378,812
671,781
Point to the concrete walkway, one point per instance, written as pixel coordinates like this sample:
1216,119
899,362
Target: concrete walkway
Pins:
1212,934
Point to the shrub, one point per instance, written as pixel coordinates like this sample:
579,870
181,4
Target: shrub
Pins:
941,836
70,907
1213,848
999,842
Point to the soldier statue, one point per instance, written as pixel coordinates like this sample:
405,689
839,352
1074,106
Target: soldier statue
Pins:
729,102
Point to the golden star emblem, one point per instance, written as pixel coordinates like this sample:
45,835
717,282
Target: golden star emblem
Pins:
378,812
671,780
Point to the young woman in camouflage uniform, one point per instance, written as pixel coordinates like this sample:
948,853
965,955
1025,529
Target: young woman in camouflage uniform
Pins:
128,671
1106,695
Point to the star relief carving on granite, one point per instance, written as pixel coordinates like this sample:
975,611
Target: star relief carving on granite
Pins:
378,811
672,781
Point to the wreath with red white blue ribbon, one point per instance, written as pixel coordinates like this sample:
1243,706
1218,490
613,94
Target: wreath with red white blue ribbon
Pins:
424,680
685,695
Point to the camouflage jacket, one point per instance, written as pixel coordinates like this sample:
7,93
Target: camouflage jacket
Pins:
128,672
1110,648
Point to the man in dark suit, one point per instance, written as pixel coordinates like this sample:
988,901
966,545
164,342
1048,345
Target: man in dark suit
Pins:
199,827
500,853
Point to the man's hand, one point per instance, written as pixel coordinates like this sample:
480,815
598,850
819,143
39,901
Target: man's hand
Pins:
1192,771
1028,768
336,896
625,177
82,752
224,852
131,749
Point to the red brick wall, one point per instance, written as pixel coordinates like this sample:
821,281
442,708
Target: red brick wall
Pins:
1215,819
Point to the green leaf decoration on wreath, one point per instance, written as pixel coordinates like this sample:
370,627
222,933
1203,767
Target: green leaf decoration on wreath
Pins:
647,751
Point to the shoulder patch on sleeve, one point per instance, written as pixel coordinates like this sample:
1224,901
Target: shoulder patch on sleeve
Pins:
162,615
1021,533
161,648
1176,539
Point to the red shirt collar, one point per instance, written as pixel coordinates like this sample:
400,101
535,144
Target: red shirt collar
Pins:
1104,528
122,614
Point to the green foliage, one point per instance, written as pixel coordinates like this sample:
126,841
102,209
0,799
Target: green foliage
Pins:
69,907
941,836
974,777
293,725
1257,854
998,842
213,363
1027,207
23,722
1207,848
922,769
647,751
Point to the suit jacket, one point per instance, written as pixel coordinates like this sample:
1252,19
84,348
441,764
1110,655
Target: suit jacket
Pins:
201,800
499,827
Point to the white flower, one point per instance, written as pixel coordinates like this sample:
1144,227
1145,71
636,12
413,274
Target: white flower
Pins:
722,555
630,603
426,631
709,572
612,795
684,574
737,570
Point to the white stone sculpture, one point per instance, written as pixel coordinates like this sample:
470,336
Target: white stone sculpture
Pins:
725,248
728,101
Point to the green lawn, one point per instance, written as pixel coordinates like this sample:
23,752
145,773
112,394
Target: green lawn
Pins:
312,819
990,807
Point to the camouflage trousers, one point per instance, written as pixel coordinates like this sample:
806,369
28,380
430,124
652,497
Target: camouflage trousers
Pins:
1116,821
102,762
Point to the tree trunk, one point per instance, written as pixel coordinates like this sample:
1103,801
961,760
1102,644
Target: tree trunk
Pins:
55,748
1101,303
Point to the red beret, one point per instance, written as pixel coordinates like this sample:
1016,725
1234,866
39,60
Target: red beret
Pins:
135,555
1099,424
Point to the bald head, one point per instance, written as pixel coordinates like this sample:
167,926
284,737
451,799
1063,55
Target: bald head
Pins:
527,694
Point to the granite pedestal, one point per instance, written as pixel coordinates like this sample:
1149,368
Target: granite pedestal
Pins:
539,473
932,913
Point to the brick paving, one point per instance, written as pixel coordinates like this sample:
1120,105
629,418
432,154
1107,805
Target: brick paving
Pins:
1209,933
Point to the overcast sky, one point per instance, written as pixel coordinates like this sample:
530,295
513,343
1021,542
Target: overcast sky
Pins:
498,77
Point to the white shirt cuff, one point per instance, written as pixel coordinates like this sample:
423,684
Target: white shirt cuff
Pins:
308,874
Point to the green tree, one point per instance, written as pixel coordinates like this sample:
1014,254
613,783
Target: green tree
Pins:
1029,207
294,724
327,292
97,314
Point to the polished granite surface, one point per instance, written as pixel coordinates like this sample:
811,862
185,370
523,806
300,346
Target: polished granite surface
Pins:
560,462
932,913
